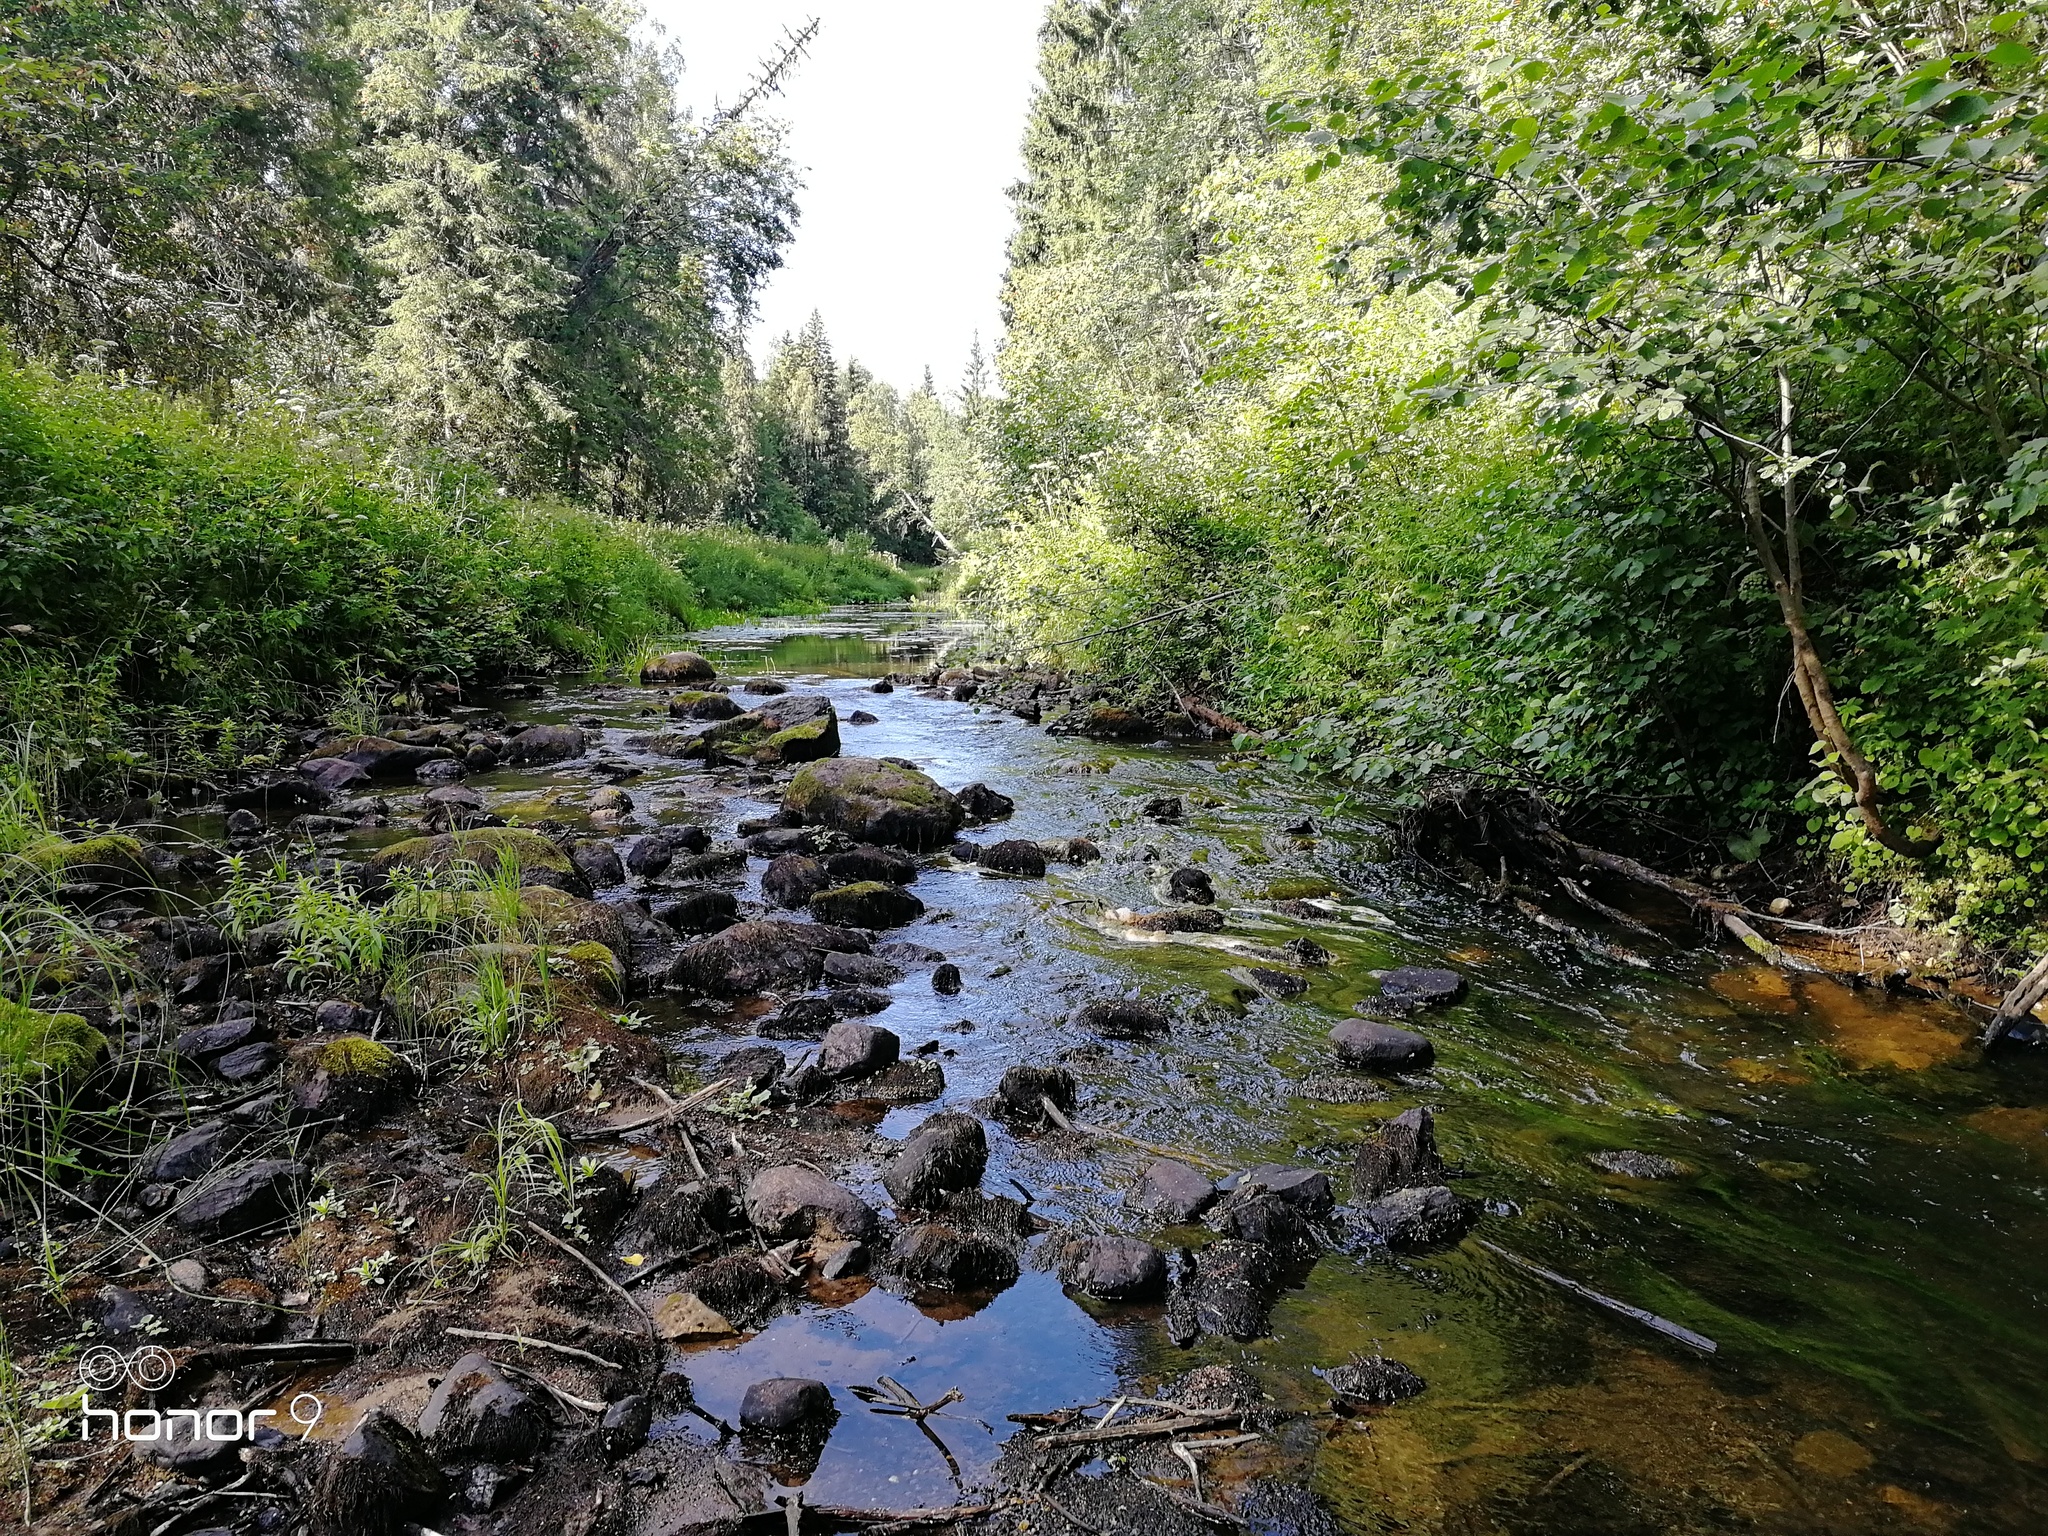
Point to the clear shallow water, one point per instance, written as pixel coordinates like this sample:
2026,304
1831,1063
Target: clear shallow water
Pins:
1863,1229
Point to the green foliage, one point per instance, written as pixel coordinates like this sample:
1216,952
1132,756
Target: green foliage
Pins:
1504,393
173,579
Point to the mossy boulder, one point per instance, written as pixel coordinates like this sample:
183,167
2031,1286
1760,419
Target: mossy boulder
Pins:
349,1080
112,858
678,667
46,1048
562,919
581,974
540,861
867,904
795,728
875,802
704,706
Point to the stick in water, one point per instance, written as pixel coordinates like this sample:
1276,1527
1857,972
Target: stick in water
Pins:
1663,1325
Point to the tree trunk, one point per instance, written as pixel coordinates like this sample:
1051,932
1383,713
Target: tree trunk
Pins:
1809,672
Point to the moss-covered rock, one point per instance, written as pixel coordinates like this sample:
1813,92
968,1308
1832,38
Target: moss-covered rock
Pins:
562,919
795,728
349,1080
867,904
558,976
876,802
678,667
112,858
1296,888
46,1048
540,862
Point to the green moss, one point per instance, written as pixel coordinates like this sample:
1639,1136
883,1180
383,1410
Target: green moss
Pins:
353,1056
36,1046
595,965
485,847
1298,888
110,857
816,786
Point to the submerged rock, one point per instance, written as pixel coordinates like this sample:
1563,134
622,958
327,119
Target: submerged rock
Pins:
1372,1046
1191,885
1122,1018
1411,988
1631,1165
1424,1217
1373,1381
875,801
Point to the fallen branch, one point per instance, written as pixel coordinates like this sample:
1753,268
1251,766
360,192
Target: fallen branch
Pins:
1145,1429
603,1279
2026,995
1052,1111
1662,1325
573,1401
1757,944
851,1515
521,1339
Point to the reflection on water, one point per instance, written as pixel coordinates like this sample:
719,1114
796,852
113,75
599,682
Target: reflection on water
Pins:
1860,1222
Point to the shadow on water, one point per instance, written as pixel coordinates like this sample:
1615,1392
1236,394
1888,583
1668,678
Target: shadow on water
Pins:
1860,1221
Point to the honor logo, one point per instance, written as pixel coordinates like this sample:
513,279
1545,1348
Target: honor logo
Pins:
104,1369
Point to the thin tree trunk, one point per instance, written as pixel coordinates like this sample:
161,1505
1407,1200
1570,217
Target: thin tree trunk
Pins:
1809,672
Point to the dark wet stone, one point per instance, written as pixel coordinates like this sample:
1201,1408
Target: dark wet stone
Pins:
795,1201
756,1067
192,1153
770,842
1372,1046
1163,808
1024,1089
1630,1165
1306,1189
946,1153
332,775
1308,952
946,1258
1400,1154
1234,1286
198,980
860,970
1014,856
1425,1217
1113,1268
802,1018
766,955
983,804
1172,1193
1178,920
868,861
718,864
623,1428
884,686
764,687
546,744
250,1196
1192,885
1267,982
1122,1018
1373,1380
478,1411
785,1405
277,796
376,1481
867,904
185,1448
736,1286
126,1316
700,909
863,717
963,851
246,1063
337,1016
792,879
855,1050
652,854
946,979
1254,1215
599,863
903,952
1414,987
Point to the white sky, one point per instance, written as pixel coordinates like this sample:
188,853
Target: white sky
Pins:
906,120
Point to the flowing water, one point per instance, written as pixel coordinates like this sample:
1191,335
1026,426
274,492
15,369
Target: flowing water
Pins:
1861,1224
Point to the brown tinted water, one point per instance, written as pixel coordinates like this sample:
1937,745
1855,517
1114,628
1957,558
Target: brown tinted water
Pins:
1861,1227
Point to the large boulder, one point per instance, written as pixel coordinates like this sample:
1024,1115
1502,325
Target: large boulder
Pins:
539,861
796,1201
853,1050
478,1411
947,1153
1113,1268
704,706
546,744
1014,856
678,667
767,955
876,802
796,728
867,904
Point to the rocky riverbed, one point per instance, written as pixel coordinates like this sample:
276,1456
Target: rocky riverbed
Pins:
946,1101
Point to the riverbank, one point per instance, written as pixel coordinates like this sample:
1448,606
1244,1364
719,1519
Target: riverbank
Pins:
178,587
1790,1169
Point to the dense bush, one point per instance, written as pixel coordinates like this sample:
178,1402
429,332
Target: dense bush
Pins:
162,572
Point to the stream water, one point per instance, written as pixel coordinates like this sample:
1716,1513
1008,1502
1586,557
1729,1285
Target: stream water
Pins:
1861,1224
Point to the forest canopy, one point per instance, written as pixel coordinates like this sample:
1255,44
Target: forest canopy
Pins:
1641,403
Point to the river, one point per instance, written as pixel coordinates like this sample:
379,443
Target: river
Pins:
1859,1225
